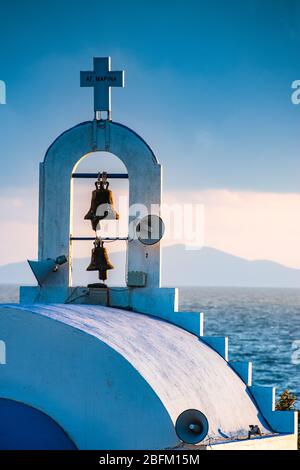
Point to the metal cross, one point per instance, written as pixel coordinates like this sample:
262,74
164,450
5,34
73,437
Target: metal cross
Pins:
102,79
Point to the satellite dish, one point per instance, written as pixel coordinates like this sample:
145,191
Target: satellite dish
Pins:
191,426
150,229
42,269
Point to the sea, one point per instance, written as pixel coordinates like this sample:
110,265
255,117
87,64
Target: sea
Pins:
263,326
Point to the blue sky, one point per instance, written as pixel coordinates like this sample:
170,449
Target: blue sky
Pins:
208,85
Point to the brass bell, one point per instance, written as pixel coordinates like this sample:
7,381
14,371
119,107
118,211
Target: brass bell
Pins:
102,204
99,260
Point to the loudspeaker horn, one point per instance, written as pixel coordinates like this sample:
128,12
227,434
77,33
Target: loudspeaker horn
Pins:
191,426
42,269
150,229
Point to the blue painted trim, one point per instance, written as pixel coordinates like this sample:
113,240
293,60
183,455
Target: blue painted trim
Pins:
23,427
104,238
279,421
218,343
95,175
244,370
191,322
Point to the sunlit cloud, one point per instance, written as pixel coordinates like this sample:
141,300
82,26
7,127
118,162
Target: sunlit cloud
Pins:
251,225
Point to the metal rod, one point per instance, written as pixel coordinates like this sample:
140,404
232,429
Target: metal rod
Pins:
93,238
95,175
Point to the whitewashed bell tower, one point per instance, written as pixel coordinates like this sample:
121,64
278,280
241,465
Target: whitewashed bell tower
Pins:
57,171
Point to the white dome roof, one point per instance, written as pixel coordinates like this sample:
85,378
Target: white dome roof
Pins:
183,371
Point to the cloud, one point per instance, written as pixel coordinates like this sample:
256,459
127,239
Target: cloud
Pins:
18,224
18,241
248,224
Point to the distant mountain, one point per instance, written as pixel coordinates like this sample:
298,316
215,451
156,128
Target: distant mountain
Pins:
181,267
211,267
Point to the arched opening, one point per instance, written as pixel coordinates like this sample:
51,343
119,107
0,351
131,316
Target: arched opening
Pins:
56,194
23,427
94,163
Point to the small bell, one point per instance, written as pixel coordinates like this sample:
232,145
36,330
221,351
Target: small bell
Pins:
102,204
99,260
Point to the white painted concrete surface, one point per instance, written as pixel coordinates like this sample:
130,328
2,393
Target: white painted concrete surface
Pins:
282,442
159,302
116,379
